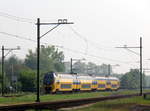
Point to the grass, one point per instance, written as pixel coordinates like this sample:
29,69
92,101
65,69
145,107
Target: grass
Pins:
119,105
48,97
127,104
32,97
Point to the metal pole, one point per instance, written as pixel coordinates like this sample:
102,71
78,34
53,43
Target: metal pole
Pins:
141,89
12,71
71,66
38,49
38,60
13,80
108,69
2,70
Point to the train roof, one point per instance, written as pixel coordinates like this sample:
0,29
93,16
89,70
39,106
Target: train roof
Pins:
84,76
65,76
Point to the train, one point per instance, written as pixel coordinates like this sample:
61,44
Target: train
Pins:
59,82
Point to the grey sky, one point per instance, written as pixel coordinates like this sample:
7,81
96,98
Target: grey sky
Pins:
104,24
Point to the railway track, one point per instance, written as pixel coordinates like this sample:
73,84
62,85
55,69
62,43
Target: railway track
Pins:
63,103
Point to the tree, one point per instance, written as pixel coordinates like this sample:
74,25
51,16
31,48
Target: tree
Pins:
31,60
50,59
132,79
147,78
104,69
27,80
12,66
90,68
79,67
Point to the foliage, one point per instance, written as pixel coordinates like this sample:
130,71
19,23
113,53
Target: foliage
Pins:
31,60
12,66
50,59
27,80
90,68
131,79
21,75
147,79
79,67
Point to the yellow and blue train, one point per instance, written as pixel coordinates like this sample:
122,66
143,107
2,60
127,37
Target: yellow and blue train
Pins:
57,82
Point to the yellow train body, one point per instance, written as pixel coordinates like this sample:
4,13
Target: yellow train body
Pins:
74,82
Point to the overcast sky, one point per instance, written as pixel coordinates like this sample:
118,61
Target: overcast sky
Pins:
99,26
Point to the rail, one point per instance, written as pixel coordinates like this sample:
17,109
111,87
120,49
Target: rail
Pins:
61,104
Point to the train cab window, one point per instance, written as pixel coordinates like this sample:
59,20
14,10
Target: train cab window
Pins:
48,78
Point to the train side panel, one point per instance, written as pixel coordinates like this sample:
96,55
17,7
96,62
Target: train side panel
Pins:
65,85
101,84
85,85
94,84
76,85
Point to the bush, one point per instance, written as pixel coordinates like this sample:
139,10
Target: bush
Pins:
27,80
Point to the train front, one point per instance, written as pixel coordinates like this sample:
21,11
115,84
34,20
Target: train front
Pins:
48,81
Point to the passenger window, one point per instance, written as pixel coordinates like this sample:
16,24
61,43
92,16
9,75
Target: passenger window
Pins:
65,86
86,86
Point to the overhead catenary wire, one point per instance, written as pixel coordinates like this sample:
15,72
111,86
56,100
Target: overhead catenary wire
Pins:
89,41
75,51
80,36
91,55
31,21
24,38
93,43
132,51
20,37
99,58
16,18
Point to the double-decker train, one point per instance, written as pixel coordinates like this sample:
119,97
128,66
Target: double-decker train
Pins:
57,82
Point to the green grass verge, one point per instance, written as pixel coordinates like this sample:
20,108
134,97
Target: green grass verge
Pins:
127,104
49,97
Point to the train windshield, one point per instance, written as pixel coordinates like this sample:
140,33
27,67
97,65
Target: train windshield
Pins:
48,78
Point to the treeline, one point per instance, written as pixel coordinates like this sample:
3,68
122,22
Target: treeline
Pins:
131,80
89,68
20,75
